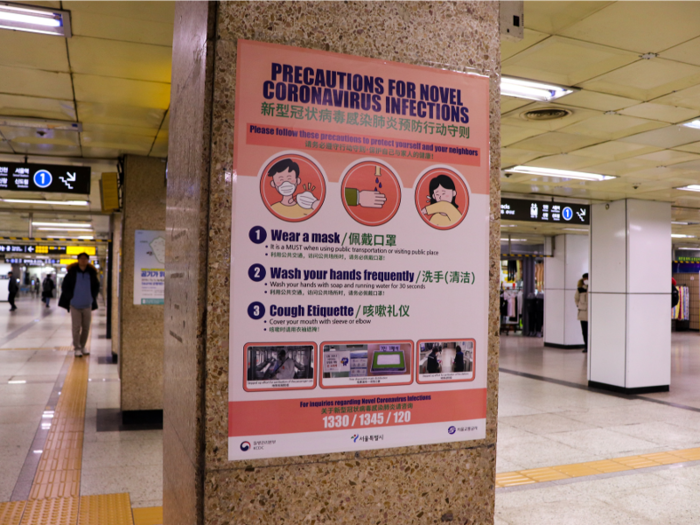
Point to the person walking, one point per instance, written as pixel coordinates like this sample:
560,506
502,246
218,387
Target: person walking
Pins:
581,298
12,288
47,288
79,292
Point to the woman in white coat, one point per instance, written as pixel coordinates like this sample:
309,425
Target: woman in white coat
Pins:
581,298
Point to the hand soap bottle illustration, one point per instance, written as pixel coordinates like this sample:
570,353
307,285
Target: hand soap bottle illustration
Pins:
371,192
292,187
442,198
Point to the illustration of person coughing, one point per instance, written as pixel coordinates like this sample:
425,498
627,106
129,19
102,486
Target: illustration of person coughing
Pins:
442,210
285,178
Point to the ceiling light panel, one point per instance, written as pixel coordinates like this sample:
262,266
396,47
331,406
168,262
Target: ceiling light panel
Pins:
47,203
565,174
532,90
35,19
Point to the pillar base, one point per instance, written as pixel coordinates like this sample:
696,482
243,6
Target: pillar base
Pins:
629,391
565,347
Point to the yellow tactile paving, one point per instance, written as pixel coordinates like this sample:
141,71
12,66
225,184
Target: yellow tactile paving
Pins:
148,516
57,511
592,468
108,509
58,472
11,512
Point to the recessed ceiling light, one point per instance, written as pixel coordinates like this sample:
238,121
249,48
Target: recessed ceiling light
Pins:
35,19
531,90
679,223
64,224
682,236
51,203
564,174
690,187
40,123
82,230
695,124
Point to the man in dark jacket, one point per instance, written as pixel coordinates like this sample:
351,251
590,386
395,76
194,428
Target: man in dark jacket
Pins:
12,288
459,359
433,363
79,296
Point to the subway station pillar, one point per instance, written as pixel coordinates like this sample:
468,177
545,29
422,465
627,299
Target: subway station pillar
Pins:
416,484
140,336
562,271
630,297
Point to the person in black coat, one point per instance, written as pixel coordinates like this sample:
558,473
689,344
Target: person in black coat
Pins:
47,288
12,288
459,360
79,296
433,364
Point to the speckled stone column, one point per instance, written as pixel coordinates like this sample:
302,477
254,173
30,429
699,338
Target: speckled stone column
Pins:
410,485
140,327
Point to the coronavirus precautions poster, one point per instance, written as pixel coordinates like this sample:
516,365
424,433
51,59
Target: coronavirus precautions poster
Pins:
359,278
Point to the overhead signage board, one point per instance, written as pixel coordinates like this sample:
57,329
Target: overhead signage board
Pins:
41,249
545,211
357,183
32,262
45,178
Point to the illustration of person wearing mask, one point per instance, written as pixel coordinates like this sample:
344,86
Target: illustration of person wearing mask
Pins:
285,178
442,210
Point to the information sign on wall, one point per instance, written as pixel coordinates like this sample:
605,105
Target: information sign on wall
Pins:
545,211
149,267
44,178
359,286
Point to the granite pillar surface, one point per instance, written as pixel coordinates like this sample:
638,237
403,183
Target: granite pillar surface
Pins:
141,326
419,484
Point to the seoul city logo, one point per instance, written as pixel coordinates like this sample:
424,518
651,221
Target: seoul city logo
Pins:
451,430
245,446
354,438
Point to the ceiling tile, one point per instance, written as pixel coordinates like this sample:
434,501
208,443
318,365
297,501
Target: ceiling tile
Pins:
106,90
48,108
125,143
513,157
599,101
160,147
566,61
516,118
688,52
646,79
622,167
693,147
662,112
565,162
166,120
126,59
643,27
35,83
32,50
530,38
144,22
101,153
552,17
615,150
687,98
612,127
668,157
555,142
668,137
511,134
510,103
5,147
56,150
122,130
33,136
120,115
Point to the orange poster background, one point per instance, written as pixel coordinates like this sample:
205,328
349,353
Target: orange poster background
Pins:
254,68
286,416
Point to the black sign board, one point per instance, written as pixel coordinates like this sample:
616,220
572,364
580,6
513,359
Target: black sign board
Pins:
44,178
545,211
32,262
32,248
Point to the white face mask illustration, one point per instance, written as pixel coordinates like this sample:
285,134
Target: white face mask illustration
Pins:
286,188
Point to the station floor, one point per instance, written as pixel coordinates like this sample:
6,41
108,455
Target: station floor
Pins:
566,455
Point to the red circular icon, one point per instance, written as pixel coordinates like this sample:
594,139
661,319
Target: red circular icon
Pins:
371,192
442,198
292,187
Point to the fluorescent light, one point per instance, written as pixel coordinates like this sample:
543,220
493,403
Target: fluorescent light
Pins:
82,230
564,174
40,123
64,224
35,20
682,236
51,203
691,187
679,223
531,90
687,248
695,124
16,382
514,240
86,237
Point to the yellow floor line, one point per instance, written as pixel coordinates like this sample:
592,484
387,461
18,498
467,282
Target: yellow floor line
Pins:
592,468
148,516
11,512
107,509
58,472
